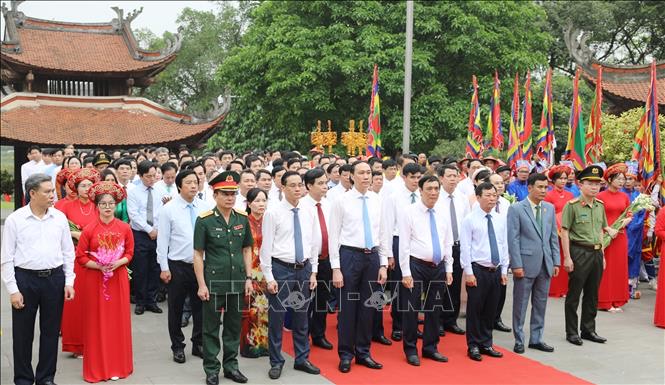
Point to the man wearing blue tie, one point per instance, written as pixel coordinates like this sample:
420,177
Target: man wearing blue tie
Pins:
534,248
425,249
359,263
484,258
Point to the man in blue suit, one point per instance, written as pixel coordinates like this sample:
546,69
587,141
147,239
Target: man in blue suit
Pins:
533,244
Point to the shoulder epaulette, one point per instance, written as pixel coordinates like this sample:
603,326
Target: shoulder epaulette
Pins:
574,200
240,212
599,201
205,214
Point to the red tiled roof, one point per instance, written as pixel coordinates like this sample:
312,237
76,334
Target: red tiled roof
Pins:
123,121
78,48
630,83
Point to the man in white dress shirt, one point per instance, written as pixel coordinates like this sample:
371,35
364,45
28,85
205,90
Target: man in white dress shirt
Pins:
166,187
455,209
34,165
38,272
359,262
289,261
247,182
276,194
175,255
425,256
501,208
484,258
344,184
465,186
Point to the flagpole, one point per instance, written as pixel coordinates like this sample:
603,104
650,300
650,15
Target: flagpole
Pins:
406,133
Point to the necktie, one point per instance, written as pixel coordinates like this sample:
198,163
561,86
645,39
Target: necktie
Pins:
436,244
280,195
200,195
539,219
192,215
324,232
494,247
453,219
148,210
297,235
413,197
497,206
366,225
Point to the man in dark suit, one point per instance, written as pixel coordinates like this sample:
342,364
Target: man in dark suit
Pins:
533,244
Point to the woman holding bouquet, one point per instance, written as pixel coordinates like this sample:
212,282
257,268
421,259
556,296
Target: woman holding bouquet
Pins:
105,248
559,196
254,335
613,291
659,313
80,212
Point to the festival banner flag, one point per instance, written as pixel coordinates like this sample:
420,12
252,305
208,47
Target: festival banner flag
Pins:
576,136
474,136
374,126
594,141
545,138
646,147
514,148
494,120
526,122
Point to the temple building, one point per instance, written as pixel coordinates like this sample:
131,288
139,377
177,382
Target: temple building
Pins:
74,83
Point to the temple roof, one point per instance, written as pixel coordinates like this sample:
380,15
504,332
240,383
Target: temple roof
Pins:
65,47
119,121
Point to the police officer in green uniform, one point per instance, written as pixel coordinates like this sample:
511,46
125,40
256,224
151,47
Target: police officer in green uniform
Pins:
224,278
582,227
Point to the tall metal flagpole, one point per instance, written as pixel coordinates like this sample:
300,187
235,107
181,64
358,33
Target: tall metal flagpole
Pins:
406,133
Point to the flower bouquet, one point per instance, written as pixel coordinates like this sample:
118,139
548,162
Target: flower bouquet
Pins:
642,202
510,197
111,248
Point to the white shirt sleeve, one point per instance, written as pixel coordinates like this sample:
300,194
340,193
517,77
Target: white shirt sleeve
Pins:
334,232
265,254
163,237
8,251
466,237
68,251
404,228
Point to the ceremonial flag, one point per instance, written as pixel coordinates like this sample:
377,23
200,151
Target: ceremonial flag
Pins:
474,136
514,148
576,143
374,126
526,123
594,141
545,138
646,147
494,119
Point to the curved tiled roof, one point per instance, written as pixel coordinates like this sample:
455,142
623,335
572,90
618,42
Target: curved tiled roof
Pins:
88,121
629,82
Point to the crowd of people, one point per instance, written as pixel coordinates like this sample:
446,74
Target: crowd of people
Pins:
265,241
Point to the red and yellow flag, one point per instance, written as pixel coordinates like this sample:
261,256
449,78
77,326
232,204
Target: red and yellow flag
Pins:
494,120
474,136
593,150
526,122
545,142
576,141
514,148
374,126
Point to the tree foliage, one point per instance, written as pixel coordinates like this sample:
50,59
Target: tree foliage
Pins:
619,134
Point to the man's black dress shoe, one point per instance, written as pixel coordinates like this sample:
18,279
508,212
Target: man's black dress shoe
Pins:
47,382
212,379
436,356
490,352
543,347
139,309
345,366
396,335
184,322
235,376
518,348
382,340
474,354
153,308
307,367
500,326
322,343
455,329
369,362
197,350
275,372
179,356
413,360
593,337
574,339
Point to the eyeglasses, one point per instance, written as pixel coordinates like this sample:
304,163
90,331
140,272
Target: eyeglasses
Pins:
106,205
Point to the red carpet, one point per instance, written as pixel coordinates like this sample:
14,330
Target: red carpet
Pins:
511,369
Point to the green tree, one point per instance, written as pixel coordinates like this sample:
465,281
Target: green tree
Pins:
303,61
619,134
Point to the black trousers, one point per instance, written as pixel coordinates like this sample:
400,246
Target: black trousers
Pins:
499,305
585,277
394,288
318,308
431,281
183,283
481,306
145,270
451,301
356,308
47,295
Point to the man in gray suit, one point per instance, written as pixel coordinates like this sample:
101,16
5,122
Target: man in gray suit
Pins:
533,244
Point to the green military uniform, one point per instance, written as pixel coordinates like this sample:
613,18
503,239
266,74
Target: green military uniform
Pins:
585,223
224,271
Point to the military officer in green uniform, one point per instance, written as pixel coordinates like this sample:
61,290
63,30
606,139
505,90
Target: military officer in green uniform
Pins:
224,278
582,227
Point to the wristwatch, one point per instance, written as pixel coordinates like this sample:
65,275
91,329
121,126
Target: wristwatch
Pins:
248,277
